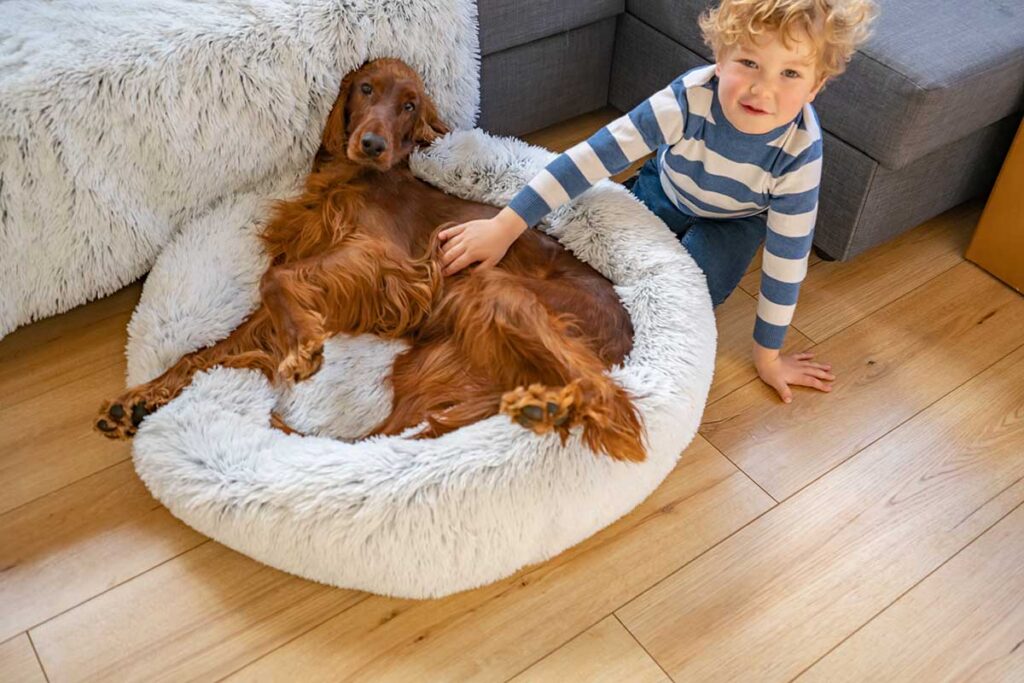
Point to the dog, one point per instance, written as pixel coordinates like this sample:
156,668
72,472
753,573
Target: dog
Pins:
357,252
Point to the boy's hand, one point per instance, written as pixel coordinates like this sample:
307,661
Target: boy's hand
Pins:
778,371
483,241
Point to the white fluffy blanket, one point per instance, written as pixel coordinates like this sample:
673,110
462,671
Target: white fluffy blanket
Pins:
412,518
123,121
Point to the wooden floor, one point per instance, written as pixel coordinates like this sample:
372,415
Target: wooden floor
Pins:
876,533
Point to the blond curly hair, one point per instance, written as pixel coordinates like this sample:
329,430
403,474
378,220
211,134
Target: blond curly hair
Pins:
835,27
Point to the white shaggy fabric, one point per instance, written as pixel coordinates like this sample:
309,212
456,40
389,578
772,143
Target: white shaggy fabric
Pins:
403,517
124,120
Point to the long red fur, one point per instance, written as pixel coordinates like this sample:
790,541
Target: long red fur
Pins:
357,252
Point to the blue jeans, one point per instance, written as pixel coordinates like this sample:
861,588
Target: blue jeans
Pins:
722,248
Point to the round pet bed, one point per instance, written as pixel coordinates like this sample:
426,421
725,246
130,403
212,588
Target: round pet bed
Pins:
395,515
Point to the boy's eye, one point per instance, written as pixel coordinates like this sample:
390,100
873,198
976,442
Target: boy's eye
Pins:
366,88
789,73
748,63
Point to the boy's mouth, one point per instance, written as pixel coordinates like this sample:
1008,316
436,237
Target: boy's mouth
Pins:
752,110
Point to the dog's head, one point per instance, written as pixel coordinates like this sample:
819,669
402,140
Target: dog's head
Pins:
381,114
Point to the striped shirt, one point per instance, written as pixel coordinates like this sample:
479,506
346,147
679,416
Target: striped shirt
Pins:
708,169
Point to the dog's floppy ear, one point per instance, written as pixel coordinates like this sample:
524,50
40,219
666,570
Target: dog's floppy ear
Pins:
429,127
335,137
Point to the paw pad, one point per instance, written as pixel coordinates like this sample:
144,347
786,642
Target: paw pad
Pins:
115,422
541,409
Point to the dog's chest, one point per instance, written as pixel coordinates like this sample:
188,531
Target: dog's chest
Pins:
404,206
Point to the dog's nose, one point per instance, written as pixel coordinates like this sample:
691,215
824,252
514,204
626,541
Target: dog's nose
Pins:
373,144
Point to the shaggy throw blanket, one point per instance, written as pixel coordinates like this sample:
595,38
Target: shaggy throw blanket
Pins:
123,121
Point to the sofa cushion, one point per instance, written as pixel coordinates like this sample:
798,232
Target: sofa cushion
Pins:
676,19
519,92
932,72
509,23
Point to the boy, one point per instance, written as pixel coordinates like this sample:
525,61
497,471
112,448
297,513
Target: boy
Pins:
738,161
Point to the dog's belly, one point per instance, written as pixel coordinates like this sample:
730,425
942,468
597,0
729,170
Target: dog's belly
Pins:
539,264
566,285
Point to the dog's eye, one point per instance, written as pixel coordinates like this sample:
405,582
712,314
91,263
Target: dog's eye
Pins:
410,106
366,88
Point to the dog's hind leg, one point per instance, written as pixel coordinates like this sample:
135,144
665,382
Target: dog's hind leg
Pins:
557,380
434,387
120,417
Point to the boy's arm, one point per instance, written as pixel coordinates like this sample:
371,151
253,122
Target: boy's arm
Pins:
791,215
656,121
792,211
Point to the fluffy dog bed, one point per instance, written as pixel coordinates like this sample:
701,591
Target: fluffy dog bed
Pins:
394,515
133,126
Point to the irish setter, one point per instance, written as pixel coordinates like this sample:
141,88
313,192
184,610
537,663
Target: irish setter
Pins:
357,252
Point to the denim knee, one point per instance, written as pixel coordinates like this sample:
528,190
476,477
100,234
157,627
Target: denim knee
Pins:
724,250
647,188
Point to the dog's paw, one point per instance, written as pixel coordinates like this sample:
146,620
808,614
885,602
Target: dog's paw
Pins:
542,409
303,362
120,418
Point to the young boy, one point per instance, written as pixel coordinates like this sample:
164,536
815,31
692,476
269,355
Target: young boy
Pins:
738,162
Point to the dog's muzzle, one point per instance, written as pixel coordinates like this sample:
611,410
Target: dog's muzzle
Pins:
373,145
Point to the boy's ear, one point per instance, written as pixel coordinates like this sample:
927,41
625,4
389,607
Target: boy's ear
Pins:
817,89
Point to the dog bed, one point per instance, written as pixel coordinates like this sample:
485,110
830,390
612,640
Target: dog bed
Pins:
396,515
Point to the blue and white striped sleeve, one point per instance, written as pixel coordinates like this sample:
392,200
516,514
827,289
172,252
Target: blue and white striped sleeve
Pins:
792,210
656,121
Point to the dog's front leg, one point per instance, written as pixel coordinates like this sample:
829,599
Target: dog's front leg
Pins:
362,287
294,305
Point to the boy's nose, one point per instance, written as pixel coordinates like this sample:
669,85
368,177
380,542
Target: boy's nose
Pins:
758,90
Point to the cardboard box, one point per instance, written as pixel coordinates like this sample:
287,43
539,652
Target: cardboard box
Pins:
998,243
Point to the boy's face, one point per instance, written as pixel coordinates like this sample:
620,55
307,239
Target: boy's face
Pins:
764,84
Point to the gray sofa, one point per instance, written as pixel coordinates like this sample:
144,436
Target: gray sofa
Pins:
543,60
919,122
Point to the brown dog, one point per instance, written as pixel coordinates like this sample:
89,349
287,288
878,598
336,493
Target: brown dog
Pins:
357,253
